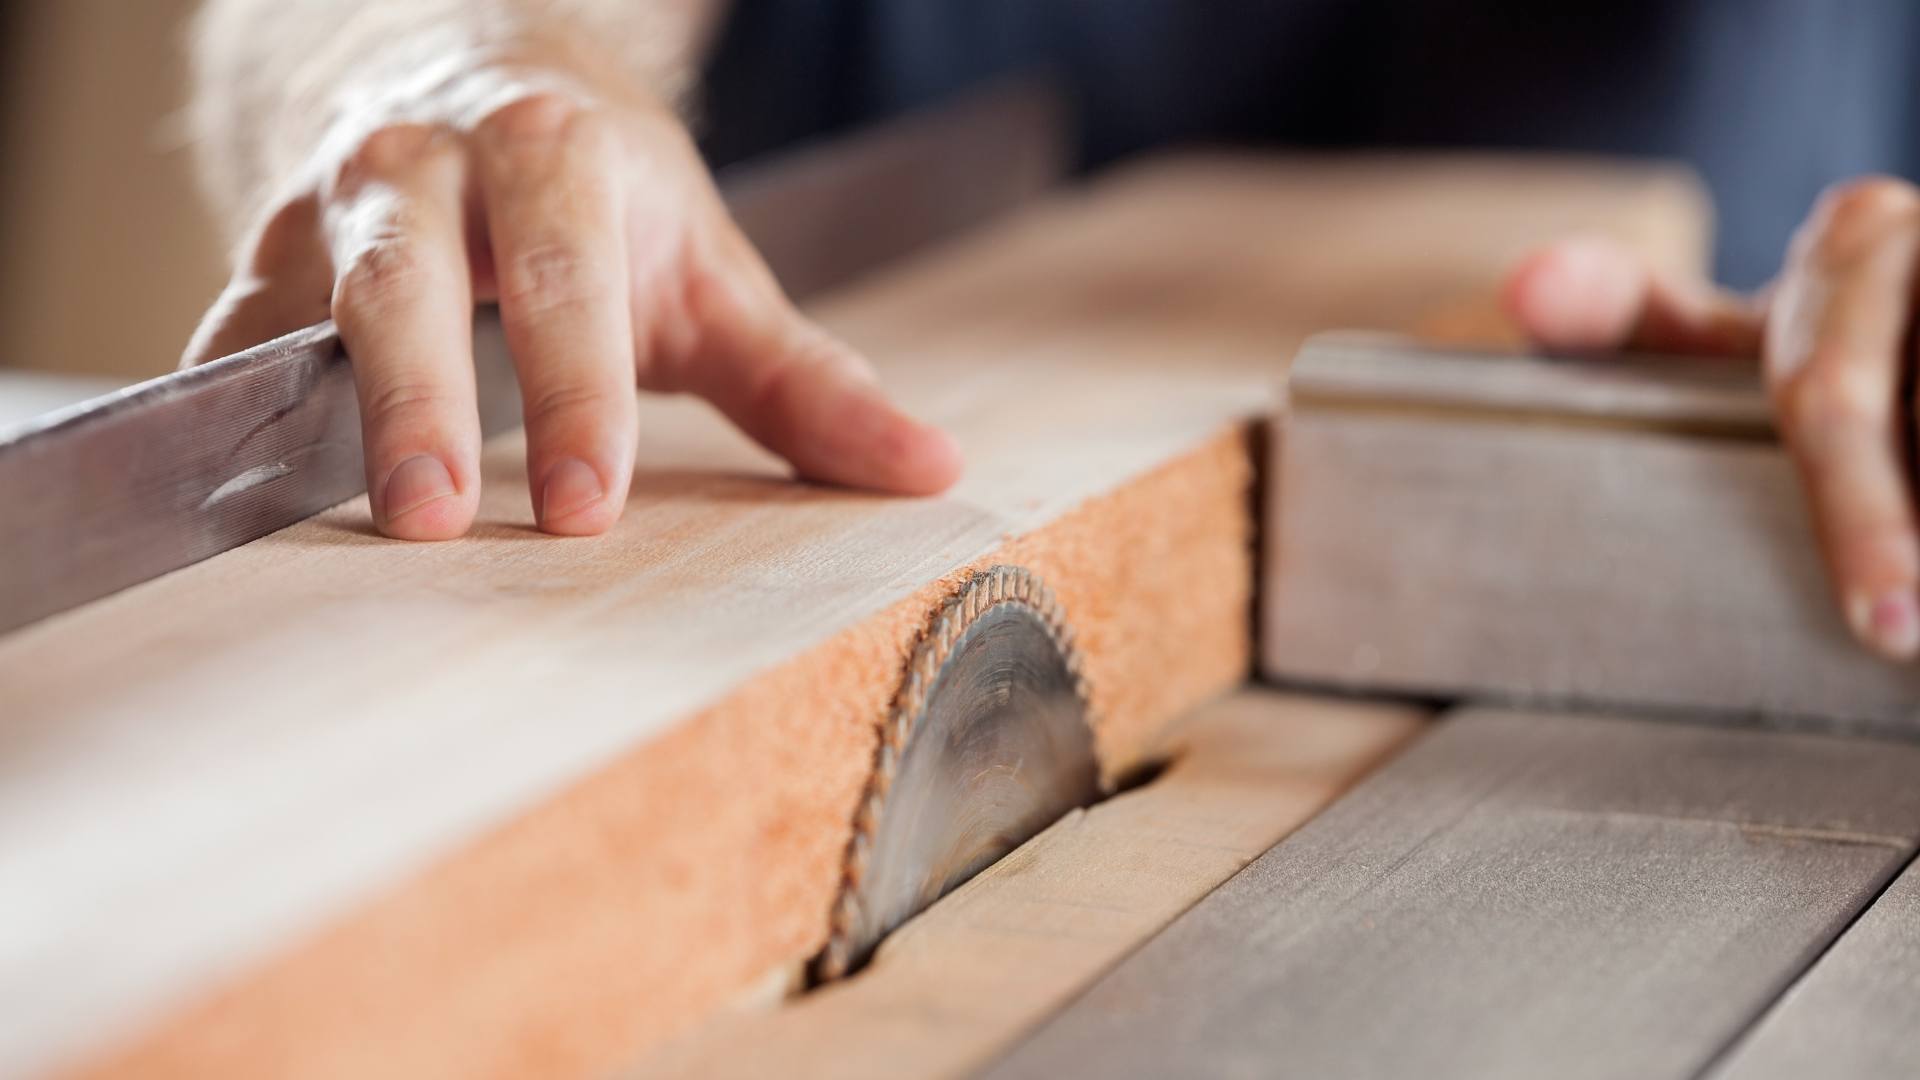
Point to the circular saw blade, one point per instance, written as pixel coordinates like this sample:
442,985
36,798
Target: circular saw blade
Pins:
990,741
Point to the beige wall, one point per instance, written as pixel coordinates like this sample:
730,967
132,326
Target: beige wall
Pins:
106,257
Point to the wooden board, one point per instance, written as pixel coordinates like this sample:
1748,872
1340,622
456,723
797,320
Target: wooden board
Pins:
1554,531
516,805
1852,1016
956,986
1518,895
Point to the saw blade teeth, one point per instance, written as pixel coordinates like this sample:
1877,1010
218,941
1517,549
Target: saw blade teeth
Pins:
836,957
869,819
857,855
833,963
941,639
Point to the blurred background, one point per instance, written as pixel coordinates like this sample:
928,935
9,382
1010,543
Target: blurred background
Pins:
106,255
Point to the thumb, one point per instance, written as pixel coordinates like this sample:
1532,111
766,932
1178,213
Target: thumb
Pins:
247,313
283,283
1592,293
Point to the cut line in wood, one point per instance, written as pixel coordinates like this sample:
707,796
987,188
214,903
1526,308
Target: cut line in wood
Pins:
1851,1016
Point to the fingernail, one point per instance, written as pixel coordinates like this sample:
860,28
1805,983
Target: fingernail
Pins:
416,482
1891,623
572,485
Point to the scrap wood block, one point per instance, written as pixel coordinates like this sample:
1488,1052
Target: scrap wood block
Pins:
519,805
1626,532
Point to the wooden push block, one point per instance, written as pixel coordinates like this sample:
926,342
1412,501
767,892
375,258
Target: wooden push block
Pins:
1626,532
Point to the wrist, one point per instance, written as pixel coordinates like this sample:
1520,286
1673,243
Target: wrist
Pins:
456,90
280,90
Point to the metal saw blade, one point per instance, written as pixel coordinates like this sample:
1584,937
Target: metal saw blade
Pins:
989,741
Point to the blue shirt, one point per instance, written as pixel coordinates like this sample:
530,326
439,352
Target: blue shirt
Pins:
1770,100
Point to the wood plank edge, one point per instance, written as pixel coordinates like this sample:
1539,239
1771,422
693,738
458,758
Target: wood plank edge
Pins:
677,878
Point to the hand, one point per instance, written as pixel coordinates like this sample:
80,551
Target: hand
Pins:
589,216
1832,332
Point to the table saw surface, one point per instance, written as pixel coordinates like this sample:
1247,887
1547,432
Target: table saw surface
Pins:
228,876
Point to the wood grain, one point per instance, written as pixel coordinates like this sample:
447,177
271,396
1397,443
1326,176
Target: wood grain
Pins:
1851,1016
1518,895
518,805
953,988
1387,372
1534,530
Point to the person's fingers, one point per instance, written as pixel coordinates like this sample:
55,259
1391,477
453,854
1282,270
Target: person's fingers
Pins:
1582,293
814,401
554,218
803,393
1592,293
1836,350
405,312
284,283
